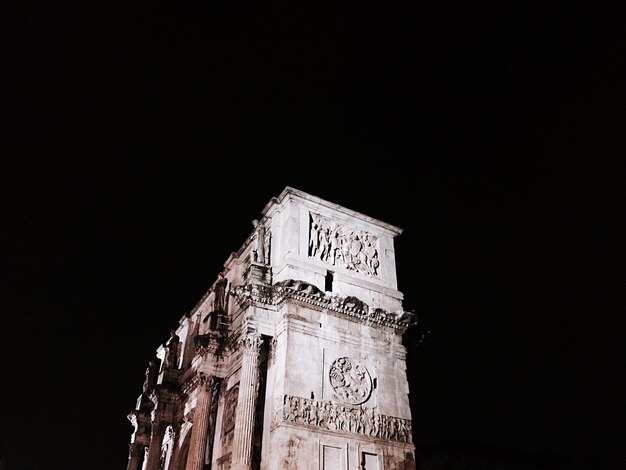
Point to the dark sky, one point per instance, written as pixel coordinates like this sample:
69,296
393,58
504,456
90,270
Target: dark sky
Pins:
141,139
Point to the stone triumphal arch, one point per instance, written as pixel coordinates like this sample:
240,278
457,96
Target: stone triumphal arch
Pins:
293,358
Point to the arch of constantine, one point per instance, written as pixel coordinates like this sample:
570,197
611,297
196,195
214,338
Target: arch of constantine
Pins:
293,358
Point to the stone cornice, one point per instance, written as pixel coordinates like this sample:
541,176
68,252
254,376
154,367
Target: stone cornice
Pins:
209,342
308,295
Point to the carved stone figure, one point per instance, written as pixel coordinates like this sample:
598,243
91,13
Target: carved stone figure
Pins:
151,376
259,254
220,293
314,237
370,256
172,351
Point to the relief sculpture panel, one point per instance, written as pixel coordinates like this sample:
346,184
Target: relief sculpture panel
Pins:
356,250
228,417
334,417
350,381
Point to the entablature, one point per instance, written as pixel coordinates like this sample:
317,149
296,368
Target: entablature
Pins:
308,295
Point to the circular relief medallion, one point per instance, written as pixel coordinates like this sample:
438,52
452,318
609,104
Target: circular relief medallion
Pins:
350,380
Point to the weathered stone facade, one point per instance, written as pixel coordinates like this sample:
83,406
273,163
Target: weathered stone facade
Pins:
293,359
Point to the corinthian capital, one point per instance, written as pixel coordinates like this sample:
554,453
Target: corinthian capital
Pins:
251,341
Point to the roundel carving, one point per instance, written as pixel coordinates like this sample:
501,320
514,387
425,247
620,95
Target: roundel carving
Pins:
350,380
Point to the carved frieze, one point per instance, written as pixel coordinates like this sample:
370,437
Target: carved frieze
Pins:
334,417
355,250
350,381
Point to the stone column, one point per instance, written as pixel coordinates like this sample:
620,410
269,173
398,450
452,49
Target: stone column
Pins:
246,402
198,442
153,460
135,456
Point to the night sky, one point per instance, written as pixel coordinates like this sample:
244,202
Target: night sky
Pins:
141,139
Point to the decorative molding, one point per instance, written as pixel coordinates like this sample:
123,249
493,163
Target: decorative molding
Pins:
350,381
355,250
334,417
306,294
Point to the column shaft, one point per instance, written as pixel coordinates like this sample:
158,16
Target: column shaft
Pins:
135,456
198,443
154,450
246,404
